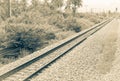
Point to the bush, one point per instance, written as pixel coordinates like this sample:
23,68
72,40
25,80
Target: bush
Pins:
84,23
50,36
72,24
76,29
68,23
24,36
57,20
94,19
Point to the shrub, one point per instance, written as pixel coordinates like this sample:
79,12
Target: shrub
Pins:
50,36
68,23
57,20
84,23
95,20
24,36
72,24
76,29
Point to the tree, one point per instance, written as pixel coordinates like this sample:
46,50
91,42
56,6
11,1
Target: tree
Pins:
74,4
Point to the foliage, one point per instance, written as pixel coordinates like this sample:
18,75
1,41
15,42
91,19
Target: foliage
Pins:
50,36
74,4
95,20
72,24
34,26
24,36
57,20
57,3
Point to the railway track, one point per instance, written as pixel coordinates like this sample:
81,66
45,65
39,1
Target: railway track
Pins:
29,69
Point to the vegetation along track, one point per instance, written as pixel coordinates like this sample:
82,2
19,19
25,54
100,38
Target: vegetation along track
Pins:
31,68
9,52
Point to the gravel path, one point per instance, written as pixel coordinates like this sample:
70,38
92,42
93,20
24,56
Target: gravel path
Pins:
97,59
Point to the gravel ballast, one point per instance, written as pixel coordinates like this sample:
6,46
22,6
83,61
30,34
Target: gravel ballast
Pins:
96,59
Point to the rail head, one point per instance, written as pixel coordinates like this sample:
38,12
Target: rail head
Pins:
9,67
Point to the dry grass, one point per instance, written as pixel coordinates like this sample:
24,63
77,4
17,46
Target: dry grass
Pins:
85,23
109,49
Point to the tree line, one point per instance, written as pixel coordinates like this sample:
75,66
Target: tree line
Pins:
10,8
